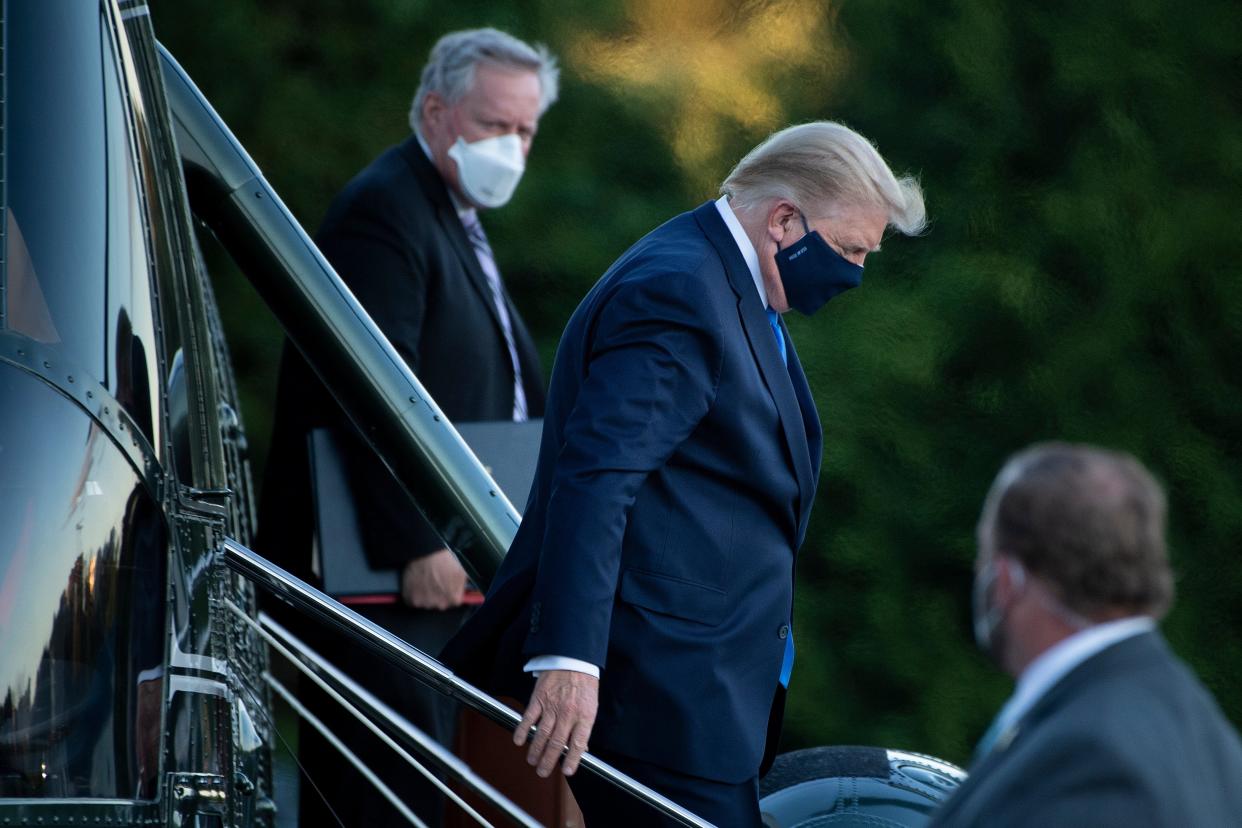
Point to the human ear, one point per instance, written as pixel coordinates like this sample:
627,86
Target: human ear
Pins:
1010,579
434,109
781,213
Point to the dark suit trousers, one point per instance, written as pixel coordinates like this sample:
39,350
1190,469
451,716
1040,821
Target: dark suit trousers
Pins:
604,805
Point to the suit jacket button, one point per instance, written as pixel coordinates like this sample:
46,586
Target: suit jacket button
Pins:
783,632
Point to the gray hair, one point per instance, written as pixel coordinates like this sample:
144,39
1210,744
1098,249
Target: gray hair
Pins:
1090,522
450,68
820,167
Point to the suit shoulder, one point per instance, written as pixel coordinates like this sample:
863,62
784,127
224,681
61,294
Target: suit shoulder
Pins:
675,262
1151,720
385,192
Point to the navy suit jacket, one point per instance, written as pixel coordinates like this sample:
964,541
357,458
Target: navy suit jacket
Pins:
675,478
1128,738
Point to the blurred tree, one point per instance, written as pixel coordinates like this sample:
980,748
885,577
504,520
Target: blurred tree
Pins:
1083,164
1078,282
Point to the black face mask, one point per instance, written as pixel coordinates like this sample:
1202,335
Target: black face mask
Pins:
812,272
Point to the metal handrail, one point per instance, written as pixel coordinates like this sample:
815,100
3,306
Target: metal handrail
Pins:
344,750
304,597
388,725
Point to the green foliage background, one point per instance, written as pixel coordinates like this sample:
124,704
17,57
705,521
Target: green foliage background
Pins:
1083,168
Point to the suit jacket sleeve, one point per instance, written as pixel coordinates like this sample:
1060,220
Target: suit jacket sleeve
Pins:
373,253
651,369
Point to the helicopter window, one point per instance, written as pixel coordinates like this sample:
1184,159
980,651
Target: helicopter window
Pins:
56,228
82,605
28,313
130,319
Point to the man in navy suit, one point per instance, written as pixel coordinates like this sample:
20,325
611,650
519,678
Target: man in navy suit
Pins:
1106,726
650,586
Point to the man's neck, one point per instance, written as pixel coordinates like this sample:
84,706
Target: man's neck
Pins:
1081,644
752,224
460,204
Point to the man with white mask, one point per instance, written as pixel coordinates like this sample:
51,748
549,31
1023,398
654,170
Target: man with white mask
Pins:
405,235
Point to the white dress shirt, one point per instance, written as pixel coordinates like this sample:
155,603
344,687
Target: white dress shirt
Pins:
1057,661
749,254
552,662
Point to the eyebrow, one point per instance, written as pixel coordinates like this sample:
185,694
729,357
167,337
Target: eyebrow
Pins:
860,247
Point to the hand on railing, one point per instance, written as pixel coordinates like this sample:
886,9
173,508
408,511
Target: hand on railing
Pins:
563,706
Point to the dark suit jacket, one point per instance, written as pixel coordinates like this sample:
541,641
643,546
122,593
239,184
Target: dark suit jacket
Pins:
395,238
1127,738
675,478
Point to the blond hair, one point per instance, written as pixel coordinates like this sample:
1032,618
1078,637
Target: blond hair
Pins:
821,167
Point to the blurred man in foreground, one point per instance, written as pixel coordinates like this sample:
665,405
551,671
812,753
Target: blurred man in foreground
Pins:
1106,726
652,576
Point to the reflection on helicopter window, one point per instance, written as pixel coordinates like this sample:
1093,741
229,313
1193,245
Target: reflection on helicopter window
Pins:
130,309
56,187
82,574
27,308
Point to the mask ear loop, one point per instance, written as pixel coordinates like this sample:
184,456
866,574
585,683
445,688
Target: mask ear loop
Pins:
1017,584
1054,605
1017,573
992,613
805,227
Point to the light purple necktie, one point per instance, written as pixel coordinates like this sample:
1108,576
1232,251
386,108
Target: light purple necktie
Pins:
483,250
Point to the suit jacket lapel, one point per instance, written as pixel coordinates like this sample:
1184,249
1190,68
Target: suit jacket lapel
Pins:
810,419
446,214
763,346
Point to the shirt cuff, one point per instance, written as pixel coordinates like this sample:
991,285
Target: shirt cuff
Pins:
539,664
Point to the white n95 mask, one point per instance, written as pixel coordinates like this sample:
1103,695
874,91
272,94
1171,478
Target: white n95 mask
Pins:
489,170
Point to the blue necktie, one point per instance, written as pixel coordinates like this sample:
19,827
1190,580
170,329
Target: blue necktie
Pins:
788,660
774,319
998,735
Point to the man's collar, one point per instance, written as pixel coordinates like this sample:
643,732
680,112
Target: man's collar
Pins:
463,209
744,244
1058,660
